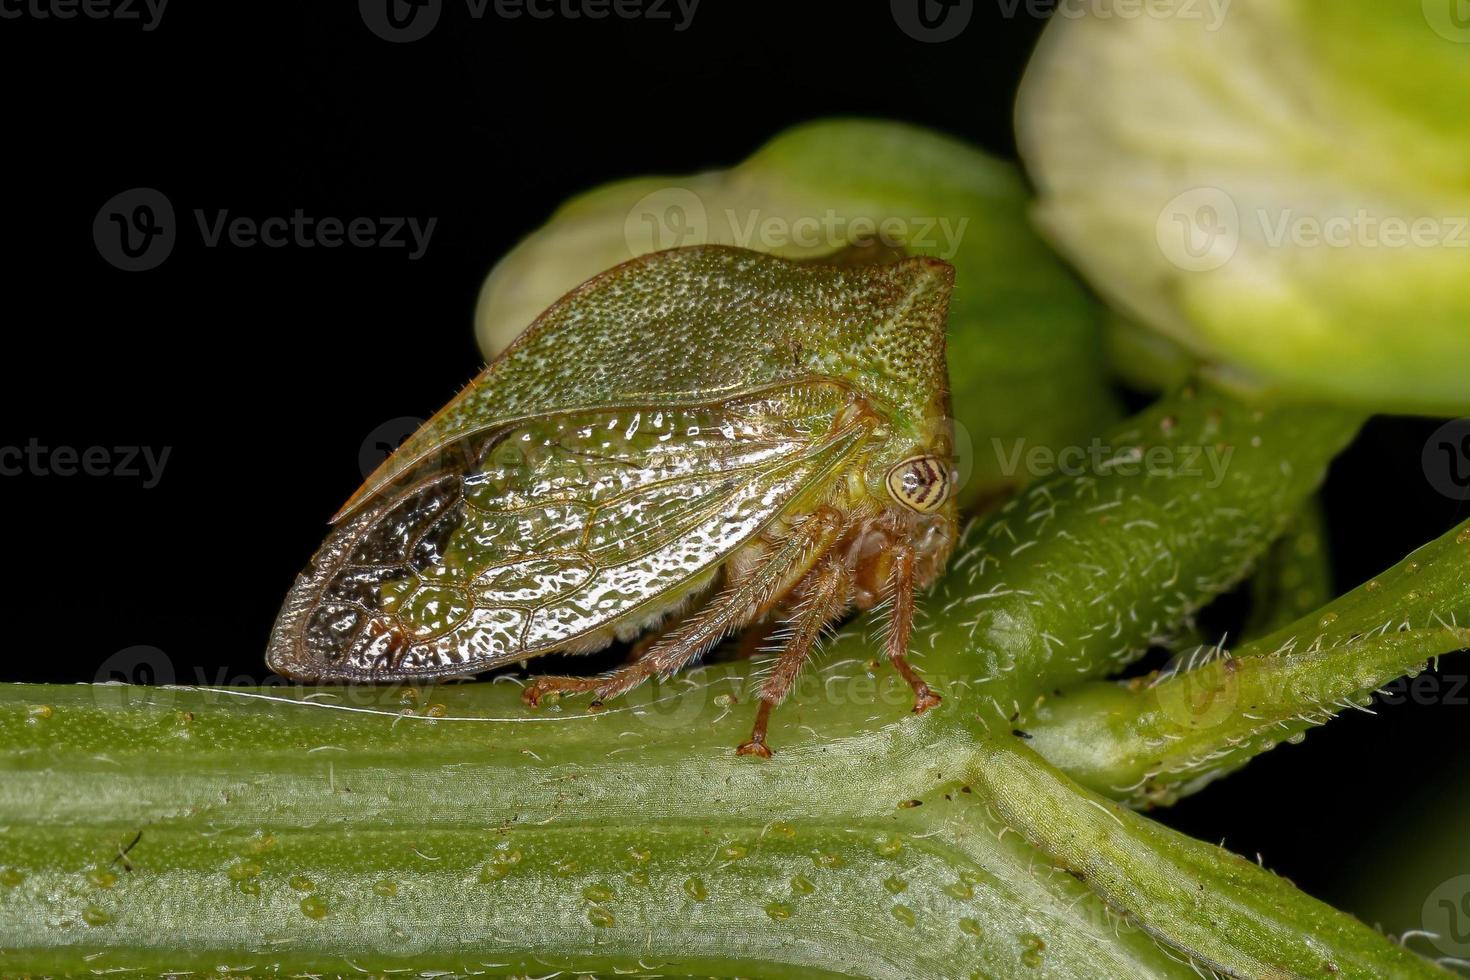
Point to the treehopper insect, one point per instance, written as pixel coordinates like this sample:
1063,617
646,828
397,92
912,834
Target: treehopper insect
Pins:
694,442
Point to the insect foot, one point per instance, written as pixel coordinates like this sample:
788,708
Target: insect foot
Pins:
549,688
757,748
924,699
552,688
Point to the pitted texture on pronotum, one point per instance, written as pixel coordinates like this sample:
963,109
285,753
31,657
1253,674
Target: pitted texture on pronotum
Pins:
693,325
708,434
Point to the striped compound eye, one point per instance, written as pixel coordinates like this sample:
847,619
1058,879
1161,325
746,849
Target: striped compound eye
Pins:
921,483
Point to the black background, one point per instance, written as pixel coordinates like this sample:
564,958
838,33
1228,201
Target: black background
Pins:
264,370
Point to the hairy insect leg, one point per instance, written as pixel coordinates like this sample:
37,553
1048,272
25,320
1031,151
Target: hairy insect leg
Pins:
542,686
754,639
730,610
821,604
901,626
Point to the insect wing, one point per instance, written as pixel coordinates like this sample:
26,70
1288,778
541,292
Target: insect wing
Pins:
492,535
556,532
700,325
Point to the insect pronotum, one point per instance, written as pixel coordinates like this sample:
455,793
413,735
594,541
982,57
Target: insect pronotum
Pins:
694,442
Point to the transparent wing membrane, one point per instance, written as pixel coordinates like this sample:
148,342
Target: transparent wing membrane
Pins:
561,530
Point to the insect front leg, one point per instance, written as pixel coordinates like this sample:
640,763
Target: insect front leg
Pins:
901,625
824,598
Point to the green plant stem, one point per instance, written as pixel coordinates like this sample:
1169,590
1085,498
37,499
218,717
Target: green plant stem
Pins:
1149,743
1227,913
1295,576
1081,574
288,831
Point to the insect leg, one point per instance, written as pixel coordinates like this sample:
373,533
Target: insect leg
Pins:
901,625
542,686
735,607
755,638
728,611
821,604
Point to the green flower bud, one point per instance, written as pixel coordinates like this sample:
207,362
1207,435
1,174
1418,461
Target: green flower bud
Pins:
1282,186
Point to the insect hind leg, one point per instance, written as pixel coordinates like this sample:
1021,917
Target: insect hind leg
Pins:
627,677
701,631
825,597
